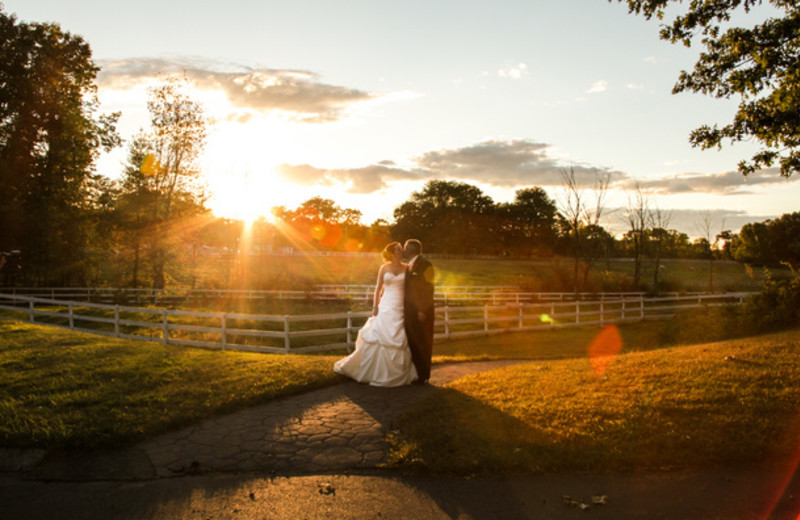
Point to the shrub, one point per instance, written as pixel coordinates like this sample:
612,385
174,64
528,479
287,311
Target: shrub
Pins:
777,306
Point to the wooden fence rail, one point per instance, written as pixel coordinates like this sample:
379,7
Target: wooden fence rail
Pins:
325,332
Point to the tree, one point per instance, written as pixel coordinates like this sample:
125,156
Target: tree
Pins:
638,218
760,64
785,237
659,220
527,225
159,182
447,216
321,222
706,233
50,136
582,219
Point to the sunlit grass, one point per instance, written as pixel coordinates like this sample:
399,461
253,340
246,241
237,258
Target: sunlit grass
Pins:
544,344
723,403
65,389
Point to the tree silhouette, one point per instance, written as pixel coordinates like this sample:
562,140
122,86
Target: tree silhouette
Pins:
50,136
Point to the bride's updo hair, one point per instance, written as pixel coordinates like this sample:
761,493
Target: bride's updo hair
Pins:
388,251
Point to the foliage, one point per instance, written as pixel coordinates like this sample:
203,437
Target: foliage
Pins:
528,225
769,243
159,189
760,65
321,223
447,216
50,136
777,306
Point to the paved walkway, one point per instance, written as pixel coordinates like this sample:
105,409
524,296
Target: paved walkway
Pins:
338,428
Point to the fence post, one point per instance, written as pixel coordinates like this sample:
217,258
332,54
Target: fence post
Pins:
116,320
602,321
447,322
286,342
30,311
71,317
165,325
641,306
623,309
577,312
224,327
486,319
552,315
349,326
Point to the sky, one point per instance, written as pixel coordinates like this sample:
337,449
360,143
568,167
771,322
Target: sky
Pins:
364,101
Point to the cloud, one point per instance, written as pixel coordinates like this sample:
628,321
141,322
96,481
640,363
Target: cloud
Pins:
725,183
298,92
515,72
689,221
368,179
634,86
506,164
517,163
598,86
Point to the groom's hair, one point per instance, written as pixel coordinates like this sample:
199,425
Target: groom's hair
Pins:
415,245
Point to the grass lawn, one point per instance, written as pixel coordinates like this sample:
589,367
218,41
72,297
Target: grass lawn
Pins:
545,344
65,389
721,403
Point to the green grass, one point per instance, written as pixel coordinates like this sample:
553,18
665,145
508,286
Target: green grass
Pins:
545,344
65,389
722,403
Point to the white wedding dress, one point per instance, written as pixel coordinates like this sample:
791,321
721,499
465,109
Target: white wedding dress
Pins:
382,356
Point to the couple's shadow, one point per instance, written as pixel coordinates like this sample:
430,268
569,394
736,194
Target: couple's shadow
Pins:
449,429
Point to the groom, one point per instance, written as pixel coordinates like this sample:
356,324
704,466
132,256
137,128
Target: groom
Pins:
418,308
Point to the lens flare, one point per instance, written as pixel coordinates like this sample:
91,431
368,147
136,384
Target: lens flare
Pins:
604,347
545,318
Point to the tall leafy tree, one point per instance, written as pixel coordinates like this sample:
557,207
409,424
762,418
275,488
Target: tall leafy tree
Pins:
770,242
448,216
50,136
760,65
527,225
160,187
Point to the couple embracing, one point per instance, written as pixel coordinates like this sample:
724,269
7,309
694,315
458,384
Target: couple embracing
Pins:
395,345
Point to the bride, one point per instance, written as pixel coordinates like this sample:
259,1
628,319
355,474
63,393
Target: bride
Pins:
381,356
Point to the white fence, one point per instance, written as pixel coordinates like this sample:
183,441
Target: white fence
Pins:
323,332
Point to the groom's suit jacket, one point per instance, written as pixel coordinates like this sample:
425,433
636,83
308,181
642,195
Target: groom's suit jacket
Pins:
419,299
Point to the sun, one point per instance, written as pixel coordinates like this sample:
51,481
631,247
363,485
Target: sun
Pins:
240,195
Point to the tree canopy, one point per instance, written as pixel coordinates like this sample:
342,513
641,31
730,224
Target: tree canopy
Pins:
159,185
760,65
50,136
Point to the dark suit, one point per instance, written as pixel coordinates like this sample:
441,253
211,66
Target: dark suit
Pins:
419,299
